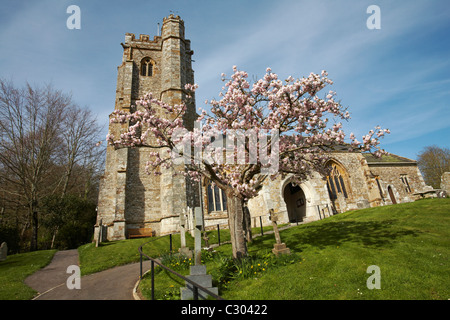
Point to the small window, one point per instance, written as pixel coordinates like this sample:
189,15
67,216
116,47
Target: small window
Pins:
146,67
404,179
217,200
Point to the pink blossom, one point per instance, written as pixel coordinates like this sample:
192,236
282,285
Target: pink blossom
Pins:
306,123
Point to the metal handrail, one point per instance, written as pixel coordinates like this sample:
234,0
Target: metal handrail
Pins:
195,285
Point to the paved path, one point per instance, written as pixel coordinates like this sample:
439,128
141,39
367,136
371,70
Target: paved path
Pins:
112,284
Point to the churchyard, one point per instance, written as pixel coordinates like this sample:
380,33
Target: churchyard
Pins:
329,259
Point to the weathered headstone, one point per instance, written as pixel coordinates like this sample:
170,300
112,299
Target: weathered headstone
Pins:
279,247
198,235
100,233
198,271
3,251
183,249
182,229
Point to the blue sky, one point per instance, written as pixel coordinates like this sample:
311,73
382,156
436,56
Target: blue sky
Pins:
397,77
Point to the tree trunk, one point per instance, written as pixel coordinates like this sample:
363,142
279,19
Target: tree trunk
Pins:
53,238
236,225
247,225
34,228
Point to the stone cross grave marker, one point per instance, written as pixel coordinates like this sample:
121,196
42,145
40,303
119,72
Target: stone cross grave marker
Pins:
198,221
278,247
198,271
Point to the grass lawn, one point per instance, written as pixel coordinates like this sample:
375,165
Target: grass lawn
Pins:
115,253
410,243
16,268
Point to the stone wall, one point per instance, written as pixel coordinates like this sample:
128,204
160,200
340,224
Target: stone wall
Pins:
314,201
445,182
363,189
390,177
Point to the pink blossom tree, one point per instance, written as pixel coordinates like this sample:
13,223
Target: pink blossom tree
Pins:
255,131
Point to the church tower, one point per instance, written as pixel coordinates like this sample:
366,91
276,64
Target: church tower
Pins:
129,197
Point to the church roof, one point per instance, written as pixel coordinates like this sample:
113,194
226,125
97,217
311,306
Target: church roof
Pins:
385,159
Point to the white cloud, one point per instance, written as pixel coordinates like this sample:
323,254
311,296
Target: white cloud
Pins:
370,68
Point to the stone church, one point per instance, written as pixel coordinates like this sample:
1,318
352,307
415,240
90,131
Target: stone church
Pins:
129,198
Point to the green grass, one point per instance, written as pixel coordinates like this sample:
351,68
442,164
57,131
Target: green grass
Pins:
114,253
410,243
16,268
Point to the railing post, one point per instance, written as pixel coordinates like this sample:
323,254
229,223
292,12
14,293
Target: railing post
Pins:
140,272
195,286
218,233
195,293
170,241
153,280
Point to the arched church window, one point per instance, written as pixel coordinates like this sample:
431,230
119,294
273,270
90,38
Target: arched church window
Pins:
146,67
217,200
337,182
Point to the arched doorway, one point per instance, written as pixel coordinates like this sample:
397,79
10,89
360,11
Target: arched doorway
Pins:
295,202
391,195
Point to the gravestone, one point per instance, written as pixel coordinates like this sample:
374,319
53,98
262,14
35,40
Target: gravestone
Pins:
183,249
199,276
445,182
279,247
198,271
198,221
100,233
3,251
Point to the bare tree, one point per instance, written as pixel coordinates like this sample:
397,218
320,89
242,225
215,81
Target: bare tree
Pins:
78,150
81,132
433,161
43,135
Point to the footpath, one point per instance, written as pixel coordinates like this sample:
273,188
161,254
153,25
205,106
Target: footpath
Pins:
113,284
